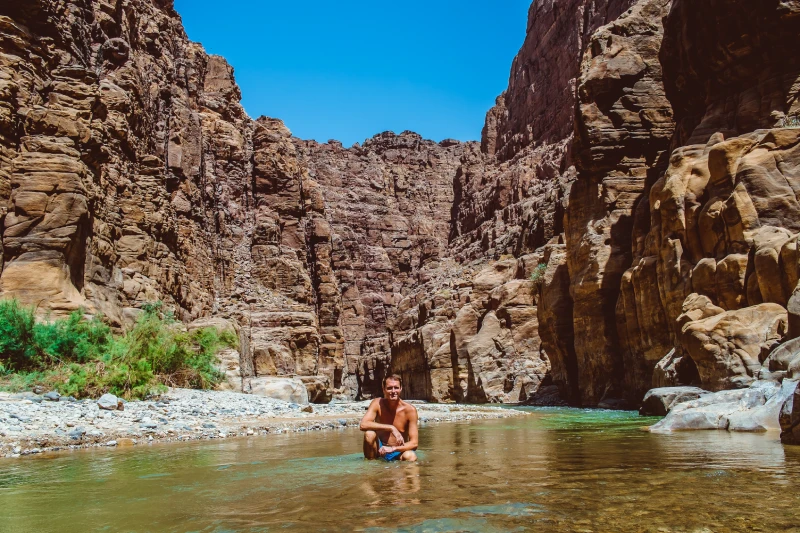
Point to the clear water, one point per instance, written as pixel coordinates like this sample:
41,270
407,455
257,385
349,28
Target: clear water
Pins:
558,470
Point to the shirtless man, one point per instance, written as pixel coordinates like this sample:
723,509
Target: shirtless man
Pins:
390,425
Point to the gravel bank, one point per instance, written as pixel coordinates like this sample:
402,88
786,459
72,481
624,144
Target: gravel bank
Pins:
33,424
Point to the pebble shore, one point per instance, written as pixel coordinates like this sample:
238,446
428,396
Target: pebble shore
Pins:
32,424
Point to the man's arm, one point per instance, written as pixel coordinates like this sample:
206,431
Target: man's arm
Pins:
368,422
413,436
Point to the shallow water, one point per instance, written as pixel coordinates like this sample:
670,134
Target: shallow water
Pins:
558,470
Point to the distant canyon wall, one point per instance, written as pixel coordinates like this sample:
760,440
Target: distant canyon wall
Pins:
628,219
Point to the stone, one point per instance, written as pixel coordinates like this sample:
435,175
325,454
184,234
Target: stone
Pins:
108,402
318,388
728,346
756,408
659,401
285,389
52,396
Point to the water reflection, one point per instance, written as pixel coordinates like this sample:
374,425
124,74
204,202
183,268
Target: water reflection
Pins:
398,486
560,470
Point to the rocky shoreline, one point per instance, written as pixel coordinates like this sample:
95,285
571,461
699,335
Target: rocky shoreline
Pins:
32,424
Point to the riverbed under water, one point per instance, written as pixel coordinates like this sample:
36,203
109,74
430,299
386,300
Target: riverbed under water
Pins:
557,470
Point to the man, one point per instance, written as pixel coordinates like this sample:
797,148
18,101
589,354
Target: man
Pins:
390,425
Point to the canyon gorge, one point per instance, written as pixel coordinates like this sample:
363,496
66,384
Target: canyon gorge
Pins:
627,220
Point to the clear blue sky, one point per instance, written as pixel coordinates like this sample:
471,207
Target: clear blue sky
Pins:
349,69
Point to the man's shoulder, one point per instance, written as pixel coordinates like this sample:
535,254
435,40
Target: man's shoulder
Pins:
409,406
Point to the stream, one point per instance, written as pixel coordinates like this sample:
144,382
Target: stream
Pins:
557,470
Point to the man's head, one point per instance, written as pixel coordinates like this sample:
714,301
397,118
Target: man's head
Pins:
392,387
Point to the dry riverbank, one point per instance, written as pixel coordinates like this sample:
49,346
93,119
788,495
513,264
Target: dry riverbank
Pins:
32,424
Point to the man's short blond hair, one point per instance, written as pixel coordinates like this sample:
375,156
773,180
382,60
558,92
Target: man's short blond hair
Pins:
394,377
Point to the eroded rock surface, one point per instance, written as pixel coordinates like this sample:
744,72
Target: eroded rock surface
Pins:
629,219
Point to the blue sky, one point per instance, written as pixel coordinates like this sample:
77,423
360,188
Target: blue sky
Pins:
349,69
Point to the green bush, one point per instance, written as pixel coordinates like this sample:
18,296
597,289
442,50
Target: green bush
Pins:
81,357
537,276
17,346
73,339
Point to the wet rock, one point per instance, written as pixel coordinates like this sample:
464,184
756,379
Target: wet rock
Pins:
756,408
659,401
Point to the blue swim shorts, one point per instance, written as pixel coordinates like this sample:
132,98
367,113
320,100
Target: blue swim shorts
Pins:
392,456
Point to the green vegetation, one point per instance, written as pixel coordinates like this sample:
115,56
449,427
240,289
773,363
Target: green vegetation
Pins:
537,276
84,358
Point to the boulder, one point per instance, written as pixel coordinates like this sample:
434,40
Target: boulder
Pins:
756,408
658,402
109,402
781,360
728,346
318,388
291,390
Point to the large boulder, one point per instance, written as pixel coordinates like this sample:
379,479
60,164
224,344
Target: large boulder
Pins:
728,346
291,390
756,408
783,362
318,388
658,402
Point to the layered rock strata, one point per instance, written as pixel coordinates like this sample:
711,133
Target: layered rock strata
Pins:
628,220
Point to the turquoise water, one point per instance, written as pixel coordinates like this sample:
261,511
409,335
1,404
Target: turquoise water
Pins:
557,470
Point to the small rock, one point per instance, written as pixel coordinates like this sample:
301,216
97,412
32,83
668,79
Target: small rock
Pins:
342,422
111,443
307,409
108,402
77,433
52,396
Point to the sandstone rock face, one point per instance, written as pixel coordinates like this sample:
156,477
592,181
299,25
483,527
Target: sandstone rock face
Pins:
623,129
717,218
386,211
470,334
629,219
510,197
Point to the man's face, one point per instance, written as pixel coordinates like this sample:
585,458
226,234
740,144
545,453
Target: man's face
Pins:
391,389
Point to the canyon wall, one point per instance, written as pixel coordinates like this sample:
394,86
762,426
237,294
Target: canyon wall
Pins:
629,218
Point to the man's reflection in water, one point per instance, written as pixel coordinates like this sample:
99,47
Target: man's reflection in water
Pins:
397,486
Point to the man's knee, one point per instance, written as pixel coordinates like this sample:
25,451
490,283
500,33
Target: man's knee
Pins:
408,456
370,437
